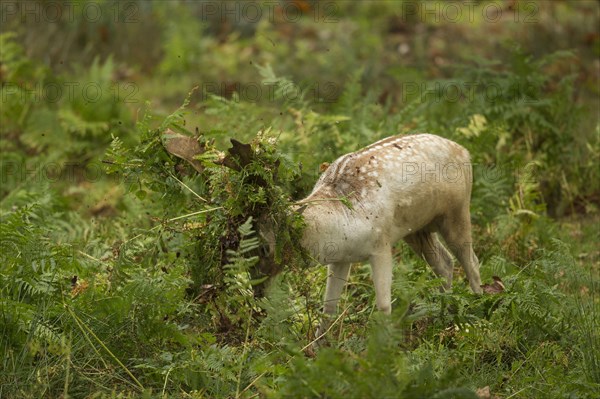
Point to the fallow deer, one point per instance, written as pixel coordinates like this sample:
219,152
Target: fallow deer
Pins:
402,187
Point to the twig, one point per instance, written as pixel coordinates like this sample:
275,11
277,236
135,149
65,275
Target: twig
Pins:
341,199
109,162
165,384
185,185
301,350
253,381
90,256
326,331
516,393
194,213
239,378
83,327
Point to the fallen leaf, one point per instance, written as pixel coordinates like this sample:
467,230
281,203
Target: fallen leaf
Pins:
238,156
484,393
323,167
79,287
495,288
183,147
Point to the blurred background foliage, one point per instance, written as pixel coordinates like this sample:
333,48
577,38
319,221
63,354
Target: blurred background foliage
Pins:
105,294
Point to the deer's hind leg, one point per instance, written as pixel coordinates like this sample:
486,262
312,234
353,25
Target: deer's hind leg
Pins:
428,246
455,227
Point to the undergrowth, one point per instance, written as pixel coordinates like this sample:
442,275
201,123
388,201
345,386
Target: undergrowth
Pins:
141,270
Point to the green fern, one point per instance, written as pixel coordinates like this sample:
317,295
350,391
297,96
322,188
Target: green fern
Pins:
237,279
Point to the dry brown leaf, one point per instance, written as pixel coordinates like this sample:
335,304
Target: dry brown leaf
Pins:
323,167
238,156
484,393
183,147
496,287
79,287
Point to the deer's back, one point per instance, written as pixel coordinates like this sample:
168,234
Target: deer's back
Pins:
398,166
393,187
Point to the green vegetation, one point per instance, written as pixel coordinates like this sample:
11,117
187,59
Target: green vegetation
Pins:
130,270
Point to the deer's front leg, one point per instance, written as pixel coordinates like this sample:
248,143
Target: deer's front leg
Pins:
381,266
336,280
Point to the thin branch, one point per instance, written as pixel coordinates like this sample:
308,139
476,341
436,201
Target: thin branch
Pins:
85,328
195,213
326,331
186,186
301,350
341,199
